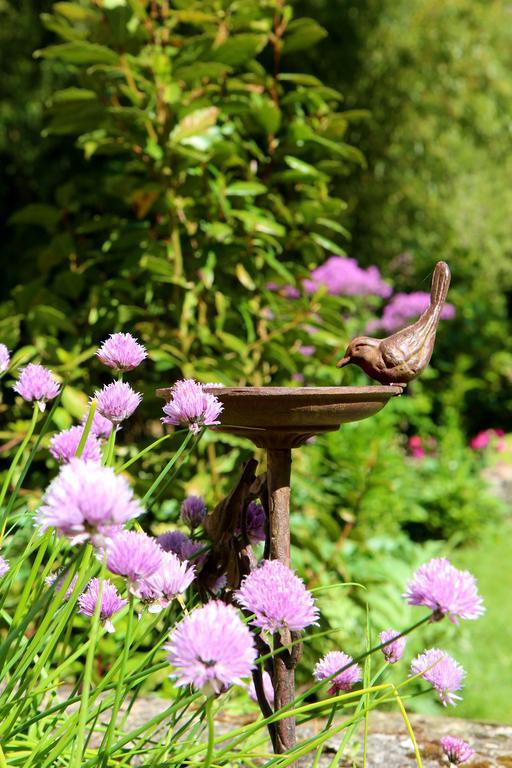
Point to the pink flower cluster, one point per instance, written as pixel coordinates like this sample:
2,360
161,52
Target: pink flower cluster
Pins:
440,670
488,437
404,307
420,447
111,602
37,384
64,445
348,673
190,406
444,589
5,358
122,352
343,276
456,750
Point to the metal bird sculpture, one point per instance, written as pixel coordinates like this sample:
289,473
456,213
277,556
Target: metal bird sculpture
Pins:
401,357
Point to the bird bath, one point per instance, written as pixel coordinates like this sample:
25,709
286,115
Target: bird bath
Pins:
279,419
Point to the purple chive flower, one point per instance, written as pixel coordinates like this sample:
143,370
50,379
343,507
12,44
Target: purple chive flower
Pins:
393,652
117,401
445,590
404,307
111,602
87,501
172,577
101,427
344,277
172,541
122,352
191,406
277,597
307,350
256,521
456,750
64,445
38,384
190,553
59,577
268,689
136,556
5,358
441,671
333,661
211,649
193,511
4,566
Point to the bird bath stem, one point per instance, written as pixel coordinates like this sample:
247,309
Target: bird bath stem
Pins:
280,419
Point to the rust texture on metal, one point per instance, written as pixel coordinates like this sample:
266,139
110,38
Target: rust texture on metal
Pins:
401,357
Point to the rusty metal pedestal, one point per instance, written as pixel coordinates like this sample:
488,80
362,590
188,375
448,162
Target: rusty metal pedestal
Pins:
279,419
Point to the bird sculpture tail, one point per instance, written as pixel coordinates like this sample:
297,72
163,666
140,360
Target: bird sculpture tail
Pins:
440,284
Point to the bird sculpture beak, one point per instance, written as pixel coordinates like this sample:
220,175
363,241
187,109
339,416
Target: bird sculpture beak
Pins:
344,361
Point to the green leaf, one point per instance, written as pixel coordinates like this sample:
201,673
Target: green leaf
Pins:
75,12
39,214
239,49
73,94
74,401
299,78
304,168
301,34
328,245
255,222
243,188
267,114
79,53
244,277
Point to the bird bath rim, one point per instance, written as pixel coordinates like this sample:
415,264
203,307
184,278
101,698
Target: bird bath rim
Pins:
285,417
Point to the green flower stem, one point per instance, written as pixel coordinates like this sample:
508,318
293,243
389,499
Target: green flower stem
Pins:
142,453
107,741
77,757
19,453
86,429
211,732
108,455
166,469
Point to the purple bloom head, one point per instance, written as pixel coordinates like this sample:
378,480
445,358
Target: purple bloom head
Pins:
111,602
87,501
172,577
211,649
404,307
278,598
38,384
117,401
393,651
441,671
136,556
4,566
307,350
192,407
58,579
344,277
333,661
172,541
268,689
64,445
256,523
122,352
456,750
5,358
445,590
193,511
101,427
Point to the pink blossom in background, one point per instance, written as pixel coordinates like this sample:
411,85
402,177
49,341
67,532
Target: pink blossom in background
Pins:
393,651
307,350
278,598
60,577
488,437
38,384
192,552
101,427
343,276
172,541
134,555
442,672
415,446
5,358
193,511
122,352
64,445
268,689
456,750
444,589
4,566
298,377
288,291
405,307
170,579
111,602
192,407
87,502
345,679
211,649
117,401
